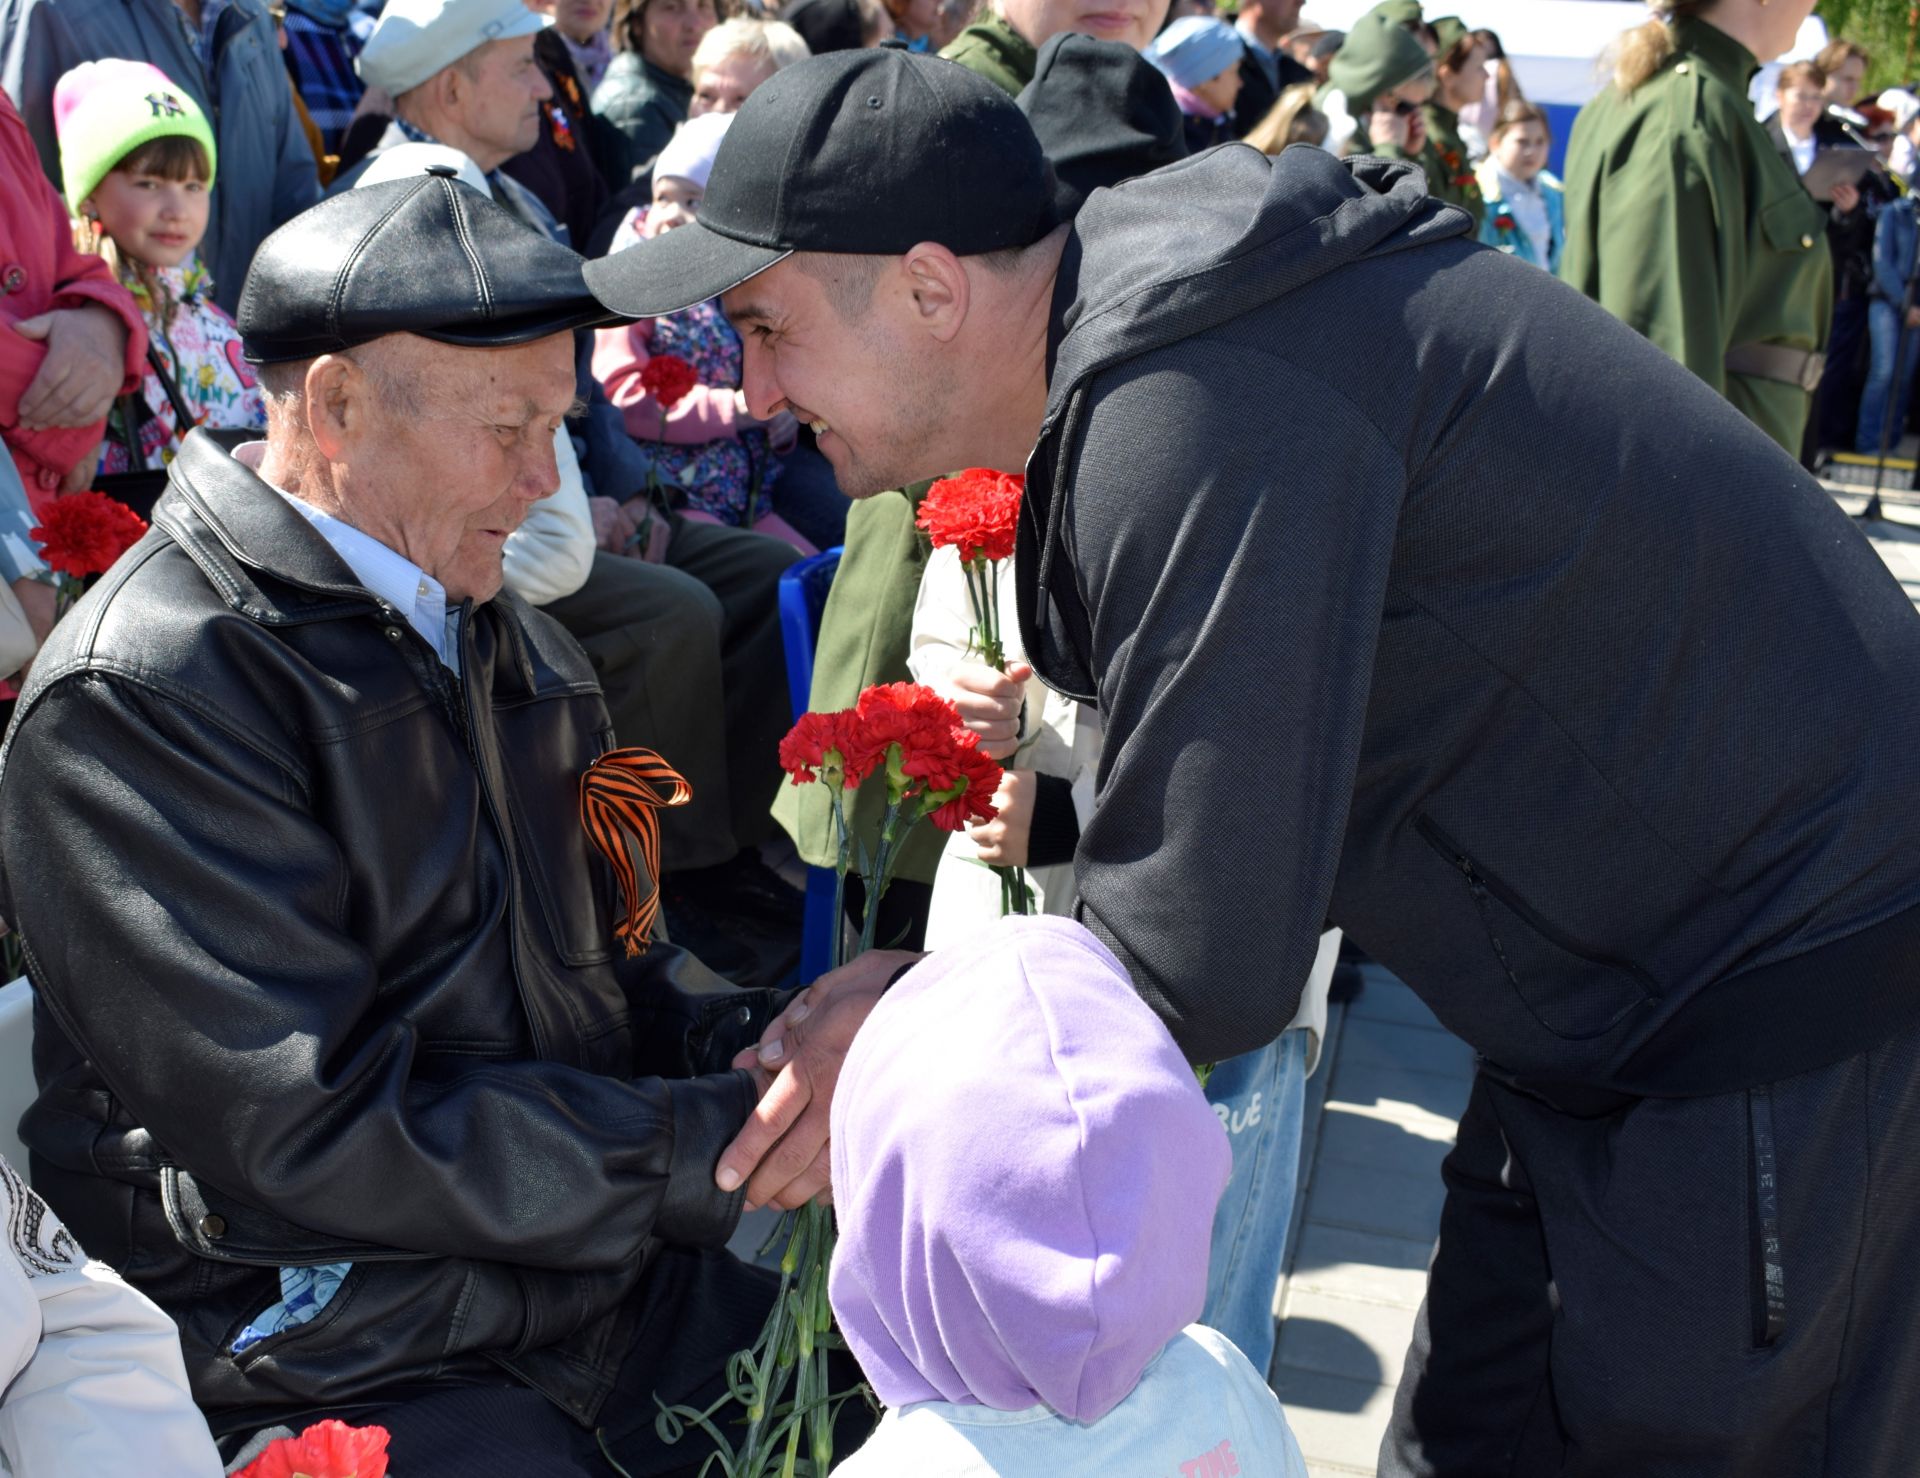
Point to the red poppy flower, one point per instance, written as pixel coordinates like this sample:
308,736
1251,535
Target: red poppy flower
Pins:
329,1449
84,533
669,379
976,512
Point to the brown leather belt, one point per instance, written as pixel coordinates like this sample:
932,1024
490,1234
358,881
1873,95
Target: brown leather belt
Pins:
1802,367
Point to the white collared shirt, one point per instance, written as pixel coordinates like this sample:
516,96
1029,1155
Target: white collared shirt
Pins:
1803,149
387,574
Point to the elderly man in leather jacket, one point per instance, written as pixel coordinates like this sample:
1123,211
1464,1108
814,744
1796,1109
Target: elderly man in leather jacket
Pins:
338,1058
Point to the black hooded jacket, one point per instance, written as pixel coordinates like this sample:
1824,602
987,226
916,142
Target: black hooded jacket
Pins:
1419,594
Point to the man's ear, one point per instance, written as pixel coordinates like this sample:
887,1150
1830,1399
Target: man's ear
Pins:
940,289
335,404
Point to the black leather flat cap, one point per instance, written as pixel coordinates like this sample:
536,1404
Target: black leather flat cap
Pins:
423,255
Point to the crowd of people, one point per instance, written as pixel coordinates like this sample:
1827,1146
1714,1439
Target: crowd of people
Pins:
337,1063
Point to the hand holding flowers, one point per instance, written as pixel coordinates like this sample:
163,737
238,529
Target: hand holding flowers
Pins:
909,740
977,515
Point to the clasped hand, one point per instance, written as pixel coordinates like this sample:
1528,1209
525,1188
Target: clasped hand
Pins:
781,1153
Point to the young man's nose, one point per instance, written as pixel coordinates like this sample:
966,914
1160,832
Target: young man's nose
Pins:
757,381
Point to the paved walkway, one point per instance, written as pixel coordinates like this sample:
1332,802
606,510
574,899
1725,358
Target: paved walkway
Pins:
1379,1121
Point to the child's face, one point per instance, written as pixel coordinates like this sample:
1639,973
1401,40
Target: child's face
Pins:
150,219
1221,91
1522,151
676,202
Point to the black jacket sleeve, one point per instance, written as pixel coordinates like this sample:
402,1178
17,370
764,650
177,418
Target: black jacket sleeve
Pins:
1230,521
192,938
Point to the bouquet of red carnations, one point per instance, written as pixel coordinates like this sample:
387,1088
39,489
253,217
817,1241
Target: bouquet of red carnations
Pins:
910,740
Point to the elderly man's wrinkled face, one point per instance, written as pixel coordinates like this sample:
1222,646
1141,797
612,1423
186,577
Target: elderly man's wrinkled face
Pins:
832,340
501,104
724,86
450,448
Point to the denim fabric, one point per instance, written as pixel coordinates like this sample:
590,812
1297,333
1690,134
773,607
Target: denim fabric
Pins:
1261,1099
1884,389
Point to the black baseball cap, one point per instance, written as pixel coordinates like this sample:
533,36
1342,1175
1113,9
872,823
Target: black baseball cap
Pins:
859,152
423,255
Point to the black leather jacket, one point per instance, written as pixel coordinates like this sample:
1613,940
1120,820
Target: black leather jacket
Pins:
324,972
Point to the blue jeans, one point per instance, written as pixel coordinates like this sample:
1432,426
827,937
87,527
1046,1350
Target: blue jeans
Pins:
1886,394
1261,1100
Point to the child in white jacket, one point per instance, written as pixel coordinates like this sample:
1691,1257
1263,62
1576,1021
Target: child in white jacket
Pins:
90,1368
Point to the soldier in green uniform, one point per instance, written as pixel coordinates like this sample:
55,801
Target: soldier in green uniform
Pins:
1461,78
1684,221
1380,59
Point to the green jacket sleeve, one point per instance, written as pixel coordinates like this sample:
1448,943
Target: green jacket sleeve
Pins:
1664,265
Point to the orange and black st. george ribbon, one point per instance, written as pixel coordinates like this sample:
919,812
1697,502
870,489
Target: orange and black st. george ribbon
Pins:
620,797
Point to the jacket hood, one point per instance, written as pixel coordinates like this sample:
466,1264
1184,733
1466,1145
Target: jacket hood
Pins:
1025,1171
1175,254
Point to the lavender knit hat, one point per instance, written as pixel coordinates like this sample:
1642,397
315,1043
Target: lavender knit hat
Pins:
1025,1171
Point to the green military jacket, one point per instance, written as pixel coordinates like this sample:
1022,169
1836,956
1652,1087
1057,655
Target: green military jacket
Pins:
1449,172
994,50
1684,222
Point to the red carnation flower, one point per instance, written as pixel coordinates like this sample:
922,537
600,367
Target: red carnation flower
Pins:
890,714
971,800
669,379
329,1449
84,533
1503,222
976,512
815,749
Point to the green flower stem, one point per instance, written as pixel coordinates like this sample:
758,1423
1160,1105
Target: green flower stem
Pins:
883,863
845,856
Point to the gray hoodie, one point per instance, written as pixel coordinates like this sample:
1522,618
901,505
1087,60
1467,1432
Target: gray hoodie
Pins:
1420,595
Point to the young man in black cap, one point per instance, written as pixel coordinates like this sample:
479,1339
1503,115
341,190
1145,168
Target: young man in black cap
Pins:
339,1056
1599,735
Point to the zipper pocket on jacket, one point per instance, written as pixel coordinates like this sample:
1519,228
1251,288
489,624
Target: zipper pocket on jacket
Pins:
1486,889
1767,1272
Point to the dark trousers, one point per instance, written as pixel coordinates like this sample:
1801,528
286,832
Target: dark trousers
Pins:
1682,1288
700,1308
1836,415
690,657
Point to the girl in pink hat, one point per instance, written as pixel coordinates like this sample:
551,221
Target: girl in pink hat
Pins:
138,158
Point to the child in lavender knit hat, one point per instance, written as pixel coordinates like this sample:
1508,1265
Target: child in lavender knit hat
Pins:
1025,1172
